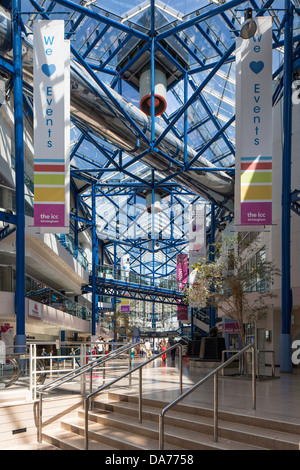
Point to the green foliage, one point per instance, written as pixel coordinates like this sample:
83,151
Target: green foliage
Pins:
121,323
227,282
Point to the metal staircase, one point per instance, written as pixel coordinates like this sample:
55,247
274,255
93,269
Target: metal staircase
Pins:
126,420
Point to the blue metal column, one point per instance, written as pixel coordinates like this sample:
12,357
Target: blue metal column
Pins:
285,338
94,262
76,222
152,112
153,248
114,299
20,339
212,259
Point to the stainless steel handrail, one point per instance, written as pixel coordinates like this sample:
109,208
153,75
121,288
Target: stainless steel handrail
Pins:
76,373
225,351
258,351
214,374
272,352
139,368
83,369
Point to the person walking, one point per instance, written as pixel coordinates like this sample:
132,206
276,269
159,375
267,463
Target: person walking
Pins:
148,349
163,348
173,352
100,345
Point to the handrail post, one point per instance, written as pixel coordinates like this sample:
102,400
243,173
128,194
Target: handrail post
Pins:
33,372
129,366
254,377
241,365
161,432
180,368
31,387
83,369
86,419
207,377
91,380
223,357
216,407
83,360
140,394
51,365
131,370
40,410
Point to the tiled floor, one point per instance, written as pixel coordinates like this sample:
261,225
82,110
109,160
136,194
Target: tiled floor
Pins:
277,398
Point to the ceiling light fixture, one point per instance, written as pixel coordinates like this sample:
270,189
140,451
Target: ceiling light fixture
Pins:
249,26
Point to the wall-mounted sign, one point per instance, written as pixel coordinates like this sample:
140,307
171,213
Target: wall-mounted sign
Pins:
197,233
182,283
125,305
51,55
230,327
34,309
253,174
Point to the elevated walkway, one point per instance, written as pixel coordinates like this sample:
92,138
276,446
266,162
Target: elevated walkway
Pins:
112,282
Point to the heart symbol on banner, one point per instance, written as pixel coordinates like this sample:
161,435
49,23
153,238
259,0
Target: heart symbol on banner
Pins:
48,69
256,67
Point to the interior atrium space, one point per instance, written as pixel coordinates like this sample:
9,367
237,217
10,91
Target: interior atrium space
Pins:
149,174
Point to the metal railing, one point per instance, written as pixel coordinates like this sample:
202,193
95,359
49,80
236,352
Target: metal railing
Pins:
68,355
137,368
265,351
78,373
258,352
115,273
214,374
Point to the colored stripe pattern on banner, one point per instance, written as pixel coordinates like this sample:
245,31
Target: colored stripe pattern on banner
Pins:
253,177
51,126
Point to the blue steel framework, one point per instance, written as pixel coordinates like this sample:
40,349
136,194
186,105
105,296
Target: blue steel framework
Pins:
113,160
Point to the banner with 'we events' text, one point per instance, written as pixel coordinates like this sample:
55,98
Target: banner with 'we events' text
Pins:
253,159
51,126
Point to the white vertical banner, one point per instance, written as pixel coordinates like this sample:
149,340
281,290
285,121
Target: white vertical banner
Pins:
253,158
67,97
197,233
51,56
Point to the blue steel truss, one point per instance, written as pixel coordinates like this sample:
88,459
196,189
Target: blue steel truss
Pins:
109,181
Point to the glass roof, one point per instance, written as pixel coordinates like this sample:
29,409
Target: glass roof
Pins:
106,35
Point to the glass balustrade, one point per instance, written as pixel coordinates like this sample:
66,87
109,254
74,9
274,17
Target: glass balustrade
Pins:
68,243
42,293
109,272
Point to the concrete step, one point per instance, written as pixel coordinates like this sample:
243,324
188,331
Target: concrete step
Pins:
107,434
147,433
42,446
69,438
275,425
250,430
114,425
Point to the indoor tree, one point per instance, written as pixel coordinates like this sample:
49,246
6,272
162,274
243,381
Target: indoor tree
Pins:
238,283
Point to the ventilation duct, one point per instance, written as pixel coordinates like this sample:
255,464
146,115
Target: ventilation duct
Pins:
5,31
160,92
156,203
95,112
